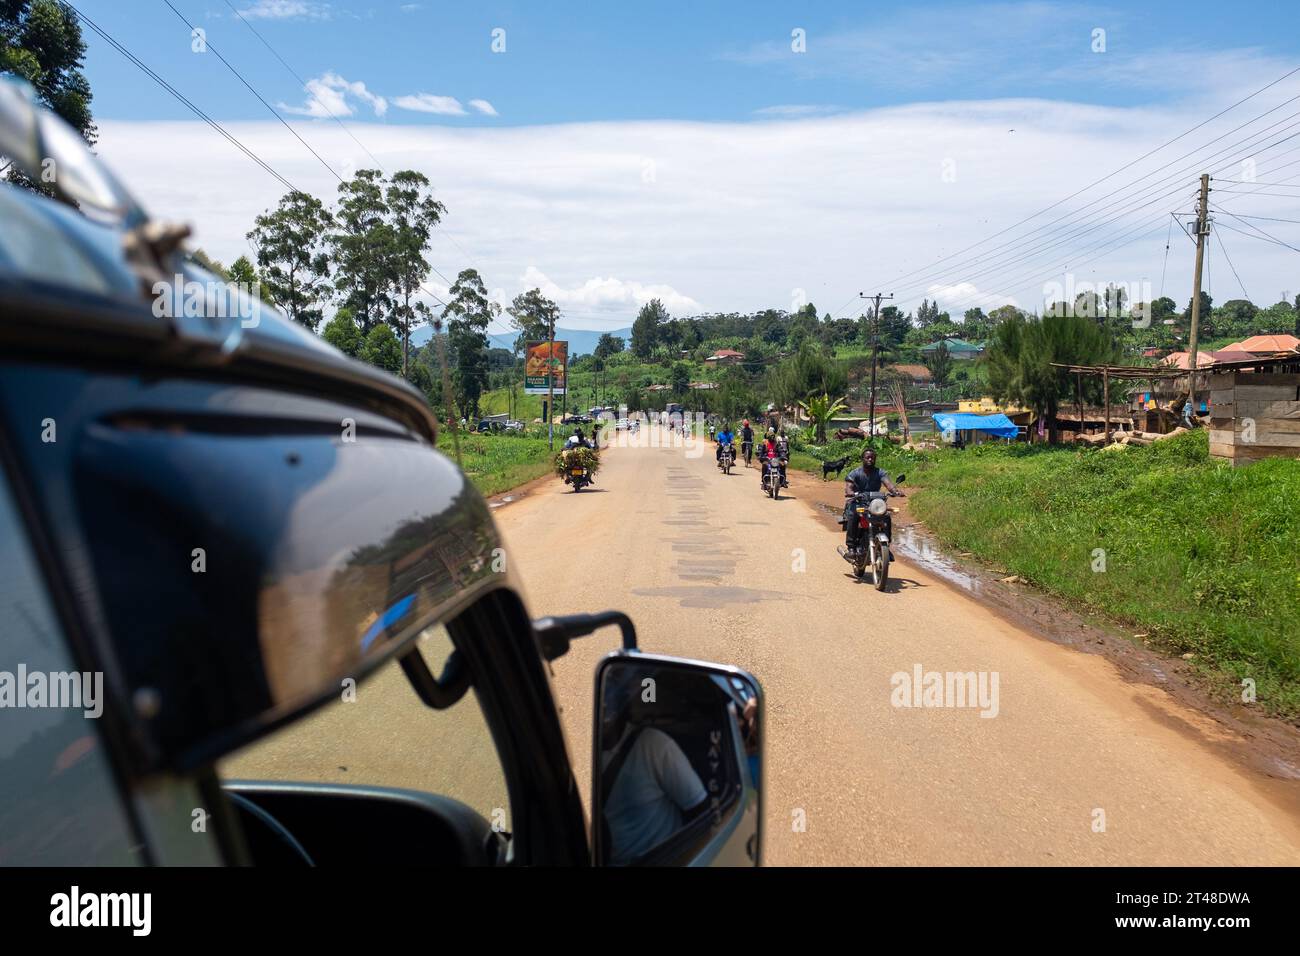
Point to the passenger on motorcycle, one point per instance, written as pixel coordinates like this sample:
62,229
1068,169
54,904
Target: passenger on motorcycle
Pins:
859,481
726,438
578,440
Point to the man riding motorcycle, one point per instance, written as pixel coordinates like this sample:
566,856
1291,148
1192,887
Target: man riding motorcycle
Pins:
770,453
783,452
579,440
860,481
726,438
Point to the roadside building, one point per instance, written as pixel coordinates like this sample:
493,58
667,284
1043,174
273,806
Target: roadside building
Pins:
959,349
725,357
1255,409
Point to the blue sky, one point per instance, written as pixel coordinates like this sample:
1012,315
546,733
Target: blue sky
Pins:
687,151
566,62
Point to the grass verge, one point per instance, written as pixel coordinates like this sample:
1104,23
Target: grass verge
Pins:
1202,558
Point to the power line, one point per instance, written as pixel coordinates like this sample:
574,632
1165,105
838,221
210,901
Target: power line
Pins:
1228,259
179,96
204,116
1165,267
1262,233
1107,176
274,112
1142,192
323,104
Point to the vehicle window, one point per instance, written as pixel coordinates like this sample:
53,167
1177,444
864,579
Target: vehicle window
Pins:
59,803
384,735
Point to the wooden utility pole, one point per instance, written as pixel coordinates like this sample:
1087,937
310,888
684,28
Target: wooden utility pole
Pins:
550,381
1202,231
875,349
438,330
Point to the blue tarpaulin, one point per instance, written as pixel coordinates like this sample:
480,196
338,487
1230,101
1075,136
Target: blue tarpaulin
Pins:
998,424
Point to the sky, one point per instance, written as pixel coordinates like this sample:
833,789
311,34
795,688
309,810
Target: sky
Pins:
737,156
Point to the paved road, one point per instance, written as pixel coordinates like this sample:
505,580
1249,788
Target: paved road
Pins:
709,569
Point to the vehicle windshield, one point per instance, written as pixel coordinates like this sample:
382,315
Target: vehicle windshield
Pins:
379,733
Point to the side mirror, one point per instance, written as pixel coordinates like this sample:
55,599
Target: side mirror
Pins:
676,763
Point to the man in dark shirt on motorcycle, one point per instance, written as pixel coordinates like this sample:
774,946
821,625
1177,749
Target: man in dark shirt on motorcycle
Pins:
746,441
859,481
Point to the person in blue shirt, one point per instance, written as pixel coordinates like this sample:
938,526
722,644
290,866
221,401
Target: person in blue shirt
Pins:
726,437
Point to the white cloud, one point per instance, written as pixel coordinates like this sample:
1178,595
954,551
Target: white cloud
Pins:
608,295
330,94
796,110
967,295
286,10
429,103
484,107
735,216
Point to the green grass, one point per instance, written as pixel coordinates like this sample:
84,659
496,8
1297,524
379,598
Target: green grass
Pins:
497,463
1201,557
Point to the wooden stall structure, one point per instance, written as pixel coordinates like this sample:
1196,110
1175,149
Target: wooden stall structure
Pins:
1123,373
1255,409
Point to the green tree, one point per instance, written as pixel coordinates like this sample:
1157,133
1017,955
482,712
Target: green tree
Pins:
532,315
680,379
290,245
646,332
40,41
342,333
468,315
413,213
362,247
608,345
381,348
939,362
1021,356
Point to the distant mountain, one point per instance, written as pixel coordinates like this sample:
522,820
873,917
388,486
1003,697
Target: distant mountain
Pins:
581,341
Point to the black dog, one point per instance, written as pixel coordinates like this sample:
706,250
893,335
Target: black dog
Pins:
834,467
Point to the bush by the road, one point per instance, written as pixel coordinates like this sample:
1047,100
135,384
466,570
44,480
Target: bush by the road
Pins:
1202,558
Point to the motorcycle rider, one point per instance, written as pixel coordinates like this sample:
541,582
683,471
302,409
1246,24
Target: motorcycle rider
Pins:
859,481
783,452
746,440
769,454
578,440
726,438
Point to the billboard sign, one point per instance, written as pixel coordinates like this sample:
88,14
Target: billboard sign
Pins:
540,364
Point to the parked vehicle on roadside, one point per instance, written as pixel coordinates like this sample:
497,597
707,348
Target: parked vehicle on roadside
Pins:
230,524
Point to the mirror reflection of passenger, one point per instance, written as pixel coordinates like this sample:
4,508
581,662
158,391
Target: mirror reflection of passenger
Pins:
651,790
749,733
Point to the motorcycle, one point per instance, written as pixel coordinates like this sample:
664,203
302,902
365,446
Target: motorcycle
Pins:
871,511
577,476
772,478
726,459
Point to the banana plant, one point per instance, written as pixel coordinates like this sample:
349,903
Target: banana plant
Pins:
820,409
